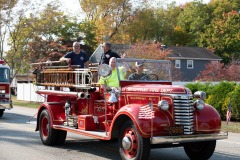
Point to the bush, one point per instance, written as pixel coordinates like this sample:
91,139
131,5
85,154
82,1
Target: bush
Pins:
235,103
220,95
206,87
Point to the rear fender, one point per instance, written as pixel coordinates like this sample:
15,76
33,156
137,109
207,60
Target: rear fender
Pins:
53,107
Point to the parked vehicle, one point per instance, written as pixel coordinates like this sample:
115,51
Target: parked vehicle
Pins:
141,114
5,95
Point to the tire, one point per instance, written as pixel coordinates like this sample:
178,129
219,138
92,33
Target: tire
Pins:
48,135
61,137
139,147
1,112
200,150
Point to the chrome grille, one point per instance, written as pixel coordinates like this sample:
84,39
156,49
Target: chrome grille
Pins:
183,112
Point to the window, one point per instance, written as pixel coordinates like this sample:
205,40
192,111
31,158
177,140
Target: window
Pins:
190,64
177,64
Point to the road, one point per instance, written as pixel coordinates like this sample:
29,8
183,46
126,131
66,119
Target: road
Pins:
18,140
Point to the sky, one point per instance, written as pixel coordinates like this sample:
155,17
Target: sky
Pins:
73,5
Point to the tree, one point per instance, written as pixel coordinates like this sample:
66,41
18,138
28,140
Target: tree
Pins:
192,20
6,9
109,17
217,71
147,50
31,37
223,36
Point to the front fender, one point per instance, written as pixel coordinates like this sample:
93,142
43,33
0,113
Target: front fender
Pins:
208,120
57,108
148,123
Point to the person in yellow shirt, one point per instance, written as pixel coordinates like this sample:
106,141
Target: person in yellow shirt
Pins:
113,80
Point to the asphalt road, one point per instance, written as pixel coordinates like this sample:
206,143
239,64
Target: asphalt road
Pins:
18,140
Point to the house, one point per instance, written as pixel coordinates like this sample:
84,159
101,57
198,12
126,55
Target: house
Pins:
191,60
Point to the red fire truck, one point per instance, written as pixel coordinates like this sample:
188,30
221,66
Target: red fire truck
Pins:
142,114
5,95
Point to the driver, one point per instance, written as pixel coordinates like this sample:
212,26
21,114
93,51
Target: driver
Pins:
138,74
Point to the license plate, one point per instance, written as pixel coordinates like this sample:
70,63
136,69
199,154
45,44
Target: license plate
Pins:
176,130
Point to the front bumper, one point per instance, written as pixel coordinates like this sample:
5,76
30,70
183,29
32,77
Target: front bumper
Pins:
6,105
188,138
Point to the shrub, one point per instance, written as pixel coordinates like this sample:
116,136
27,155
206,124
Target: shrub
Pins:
219,94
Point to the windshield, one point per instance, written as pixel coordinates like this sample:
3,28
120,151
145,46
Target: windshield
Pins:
4,75
144,70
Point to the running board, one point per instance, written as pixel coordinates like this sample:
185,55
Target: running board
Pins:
94,134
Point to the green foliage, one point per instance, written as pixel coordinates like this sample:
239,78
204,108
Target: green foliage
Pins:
192,19
235,102
206,87
219,95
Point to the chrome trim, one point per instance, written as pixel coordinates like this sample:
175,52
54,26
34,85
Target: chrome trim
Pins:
188,138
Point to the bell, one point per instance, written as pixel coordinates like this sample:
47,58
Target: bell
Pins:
112,97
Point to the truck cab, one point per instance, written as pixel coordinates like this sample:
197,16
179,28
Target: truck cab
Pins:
141,113
5,95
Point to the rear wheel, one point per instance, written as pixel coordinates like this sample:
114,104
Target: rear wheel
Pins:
132,146
1,112
48,135
200,150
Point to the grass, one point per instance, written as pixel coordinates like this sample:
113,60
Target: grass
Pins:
231,127
24,103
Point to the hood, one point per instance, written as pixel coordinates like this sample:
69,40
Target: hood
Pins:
157,88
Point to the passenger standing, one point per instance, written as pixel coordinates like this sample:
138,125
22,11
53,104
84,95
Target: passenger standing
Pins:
108,53
76,56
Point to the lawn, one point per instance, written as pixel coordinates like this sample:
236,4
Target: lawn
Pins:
231,127
24,103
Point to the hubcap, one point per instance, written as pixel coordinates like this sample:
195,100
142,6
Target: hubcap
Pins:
126,143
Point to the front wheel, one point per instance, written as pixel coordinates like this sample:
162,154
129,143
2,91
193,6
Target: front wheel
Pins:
132,146
1,112
48,135
200,150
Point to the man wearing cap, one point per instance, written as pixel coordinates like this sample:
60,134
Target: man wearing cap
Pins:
138,75
108,53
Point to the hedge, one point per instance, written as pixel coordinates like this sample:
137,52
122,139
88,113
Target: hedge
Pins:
220,95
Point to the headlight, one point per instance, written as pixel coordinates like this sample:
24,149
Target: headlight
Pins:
199,104
200,94
2,91
163,105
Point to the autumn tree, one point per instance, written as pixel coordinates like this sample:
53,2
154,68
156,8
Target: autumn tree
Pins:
223,36
217,71
109,17
147,50
33,37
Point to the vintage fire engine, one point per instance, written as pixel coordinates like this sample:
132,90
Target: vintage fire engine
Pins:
141,114
5,95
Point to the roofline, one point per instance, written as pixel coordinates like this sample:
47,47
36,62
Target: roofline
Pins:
189,58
